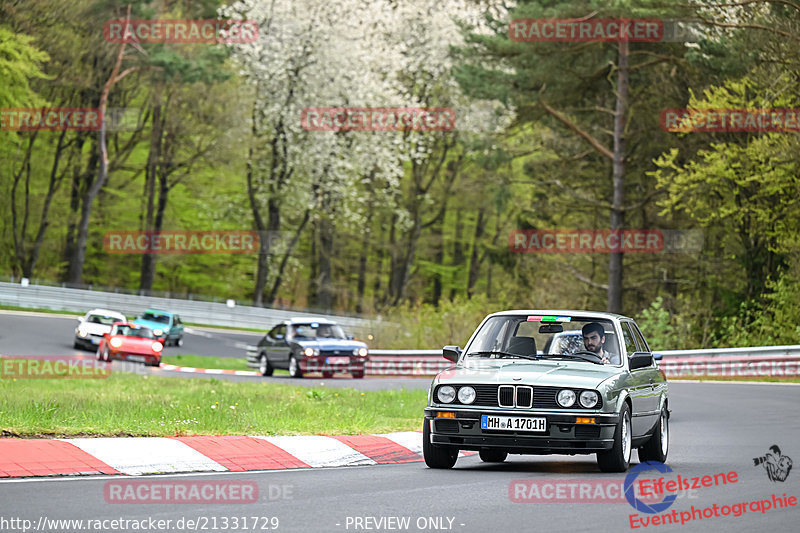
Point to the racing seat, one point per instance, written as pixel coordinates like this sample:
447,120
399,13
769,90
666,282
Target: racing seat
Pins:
522,346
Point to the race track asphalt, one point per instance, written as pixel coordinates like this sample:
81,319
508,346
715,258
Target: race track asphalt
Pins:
715,428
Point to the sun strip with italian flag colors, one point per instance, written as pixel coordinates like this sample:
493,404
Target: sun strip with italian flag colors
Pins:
549,319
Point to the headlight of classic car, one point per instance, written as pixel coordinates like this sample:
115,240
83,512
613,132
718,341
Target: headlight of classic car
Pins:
446,394
588,398
158,332
566,398
311,351
466,395
360,352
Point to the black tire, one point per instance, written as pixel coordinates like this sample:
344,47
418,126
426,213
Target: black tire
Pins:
294,368
264,368
436,456
99,354
657,447
157,363
327,374
491,455
106,355
179,341
76,345
618,458
358,374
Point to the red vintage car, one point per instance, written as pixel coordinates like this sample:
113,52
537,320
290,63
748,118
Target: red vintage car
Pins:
130,342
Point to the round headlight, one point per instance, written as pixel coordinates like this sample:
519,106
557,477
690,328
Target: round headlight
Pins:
157,346
309,351
466,395
362,352
566,398
588,398
446,394
82,333
116,342
158,332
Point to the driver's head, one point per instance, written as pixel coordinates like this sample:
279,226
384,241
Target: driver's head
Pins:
593,336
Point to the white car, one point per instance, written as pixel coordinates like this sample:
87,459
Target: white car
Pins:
93,325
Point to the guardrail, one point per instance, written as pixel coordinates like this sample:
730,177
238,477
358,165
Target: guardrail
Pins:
201,312
755,361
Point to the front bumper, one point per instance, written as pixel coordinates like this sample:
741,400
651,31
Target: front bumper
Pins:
563,435
147,358
333,363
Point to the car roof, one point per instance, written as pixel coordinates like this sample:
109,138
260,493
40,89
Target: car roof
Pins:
563,312
301,320
106,312
158,312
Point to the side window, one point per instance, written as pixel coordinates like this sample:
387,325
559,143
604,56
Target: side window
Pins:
178,320
630,344
280,332
640,338
273,333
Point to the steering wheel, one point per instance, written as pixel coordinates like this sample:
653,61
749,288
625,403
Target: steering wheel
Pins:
594,357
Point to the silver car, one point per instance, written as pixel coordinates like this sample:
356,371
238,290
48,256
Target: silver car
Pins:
506,395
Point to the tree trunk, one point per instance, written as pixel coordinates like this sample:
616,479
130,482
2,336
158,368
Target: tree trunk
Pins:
362,260
148,267
279,277
615,266
475,261
458,249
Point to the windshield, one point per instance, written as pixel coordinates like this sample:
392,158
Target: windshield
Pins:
545,337
163,319
315,330
102,319
129,331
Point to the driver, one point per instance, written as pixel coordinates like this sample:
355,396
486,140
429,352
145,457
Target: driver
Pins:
594,337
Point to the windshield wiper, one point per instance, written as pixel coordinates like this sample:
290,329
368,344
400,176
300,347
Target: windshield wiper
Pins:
497,352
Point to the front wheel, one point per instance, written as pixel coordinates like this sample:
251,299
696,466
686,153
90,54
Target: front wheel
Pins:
436,456
358,373
657,447
179,341
294,368
264,368
491,455
618,457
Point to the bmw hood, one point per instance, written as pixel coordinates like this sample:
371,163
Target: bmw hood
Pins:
331,344
541,373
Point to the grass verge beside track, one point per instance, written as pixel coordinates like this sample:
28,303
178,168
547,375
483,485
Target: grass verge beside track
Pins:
202,361
135,405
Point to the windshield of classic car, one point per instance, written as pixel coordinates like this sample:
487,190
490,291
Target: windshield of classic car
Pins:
524,337
316,330
128,331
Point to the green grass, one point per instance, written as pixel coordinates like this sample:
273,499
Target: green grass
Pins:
135,405
201,361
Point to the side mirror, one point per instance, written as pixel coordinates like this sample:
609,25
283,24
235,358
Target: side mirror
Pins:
640,360
107,335
657,356
350,336
451,353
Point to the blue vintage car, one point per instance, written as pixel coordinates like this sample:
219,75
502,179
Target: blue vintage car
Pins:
167,327
305,345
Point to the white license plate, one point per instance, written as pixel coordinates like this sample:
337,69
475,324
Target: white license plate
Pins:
513,423
337,360
137,358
